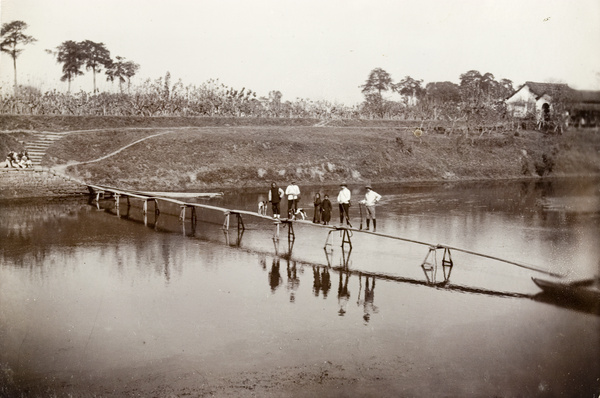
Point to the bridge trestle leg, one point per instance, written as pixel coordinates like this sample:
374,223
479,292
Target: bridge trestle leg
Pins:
346,238
240,222
328,241
447,263
429,264
276,232
116,196
226,222
291,233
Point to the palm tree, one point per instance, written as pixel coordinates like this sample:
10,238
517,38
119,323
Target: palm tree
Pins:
121,70
69,54
12,36
95,55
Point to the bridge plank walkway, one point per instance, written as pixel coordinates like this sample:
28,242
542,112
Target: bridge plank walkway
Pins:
347,230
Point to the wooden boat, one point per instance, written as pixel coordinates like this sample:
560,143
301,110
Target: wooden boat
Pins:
583,291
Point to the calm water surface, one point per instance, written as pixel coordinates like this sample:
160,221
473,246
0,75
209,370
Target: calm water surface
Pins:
88,289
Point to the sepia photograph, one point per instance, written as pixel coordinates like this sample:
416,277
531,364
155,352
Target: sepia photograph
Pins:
275,198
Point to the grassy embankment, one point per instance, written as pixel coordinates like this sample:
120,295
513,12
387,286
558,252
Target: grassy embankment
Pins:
235,153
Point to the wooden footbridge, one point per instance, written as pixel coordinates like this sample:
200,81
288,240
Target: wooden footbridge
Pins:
430,262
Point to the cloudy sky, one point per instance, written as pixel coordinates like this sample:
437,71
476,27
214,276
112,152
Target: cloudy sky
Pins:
316,49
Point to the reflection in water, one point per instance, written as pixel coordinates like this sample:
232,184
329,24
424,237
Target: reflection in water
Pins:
120,295
274,277
293,281
343,292
322,280
369,296
238,237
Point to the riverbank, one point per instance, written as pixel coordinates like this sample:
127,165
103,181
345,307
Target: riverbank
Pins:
213,153
36,183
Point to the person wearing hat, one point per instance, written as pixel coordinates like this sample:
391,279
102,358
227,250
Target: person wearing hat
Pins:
293,193
344,203
371,199
275,195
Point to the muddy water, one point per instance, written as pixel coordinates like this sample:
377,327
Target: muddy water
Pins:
95,298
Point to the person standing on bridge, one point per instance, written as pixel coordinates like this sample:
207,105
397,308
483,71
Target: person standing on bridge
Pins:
275,195
344,204
326,210
293,194
370,200
318,208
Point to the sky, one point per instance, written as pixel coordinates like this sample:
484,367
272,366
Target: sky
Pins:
314,49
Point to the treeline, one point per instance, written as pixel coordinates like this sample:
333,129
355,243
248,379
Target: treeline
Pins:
160,97
478,96
478,99
467,103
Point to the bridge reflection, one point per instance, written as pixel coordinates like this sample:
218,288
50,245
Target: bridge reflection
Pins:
435,276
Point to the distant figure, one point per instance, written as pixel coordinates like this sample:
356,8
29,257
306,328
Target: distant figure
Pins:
27,161
318,209
275,195
370,200
293,194
9,160
326,210
344,204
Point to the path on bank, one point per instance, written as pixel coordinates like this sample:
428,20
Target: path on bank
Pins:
61,168
40,141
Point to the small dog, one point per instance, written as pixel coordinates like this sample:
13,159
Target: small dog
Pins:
262,208
299,213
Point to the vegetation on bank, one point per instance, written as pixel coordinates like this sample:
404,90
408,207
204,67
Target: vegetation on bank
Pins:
196,159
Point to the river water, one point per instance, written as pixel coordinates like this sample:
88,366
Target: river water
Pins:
96,297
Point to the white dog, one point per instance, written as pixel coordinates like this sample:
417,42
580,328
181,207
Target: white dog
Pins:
299,213
262,208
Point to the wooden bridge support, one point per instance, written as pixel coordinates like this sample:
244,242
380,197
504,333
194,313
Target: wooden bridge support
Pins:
447,263
345,235
430,264
240,221
276,232
182,213
98,195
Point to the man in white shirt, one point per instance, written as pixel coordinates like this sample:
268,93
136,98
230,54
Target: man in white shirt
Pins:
371,199
344,204
293,193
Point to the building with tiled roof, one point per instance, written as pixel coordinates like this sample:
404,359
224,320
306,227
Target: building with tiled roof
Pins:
536,99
